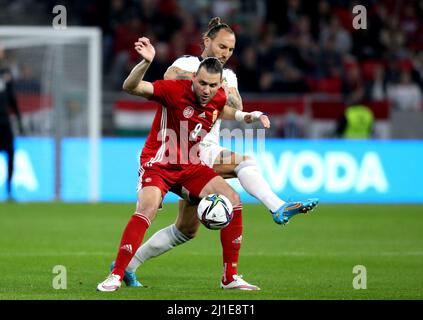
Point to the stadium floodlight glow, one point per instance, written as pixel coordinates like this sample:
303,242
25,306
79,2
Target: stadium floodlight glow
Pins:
54,67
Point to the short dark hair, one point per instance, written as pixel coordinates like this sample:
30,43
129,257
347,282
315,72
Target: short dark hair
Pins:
212,65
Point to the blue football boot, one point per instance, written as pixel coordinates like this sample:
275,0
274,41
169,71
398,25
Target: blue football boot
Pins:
130,278
290,209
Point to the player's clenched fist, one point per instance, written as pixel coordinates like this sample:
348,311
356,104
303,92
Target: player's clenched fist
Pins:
145,49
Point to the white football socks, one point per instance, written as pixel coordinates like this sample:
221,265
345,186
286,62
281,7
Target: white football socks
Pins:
159,243
253,182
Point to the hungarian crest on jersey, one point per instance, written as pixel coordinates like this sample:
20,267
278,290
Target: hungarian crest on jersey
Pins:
188,112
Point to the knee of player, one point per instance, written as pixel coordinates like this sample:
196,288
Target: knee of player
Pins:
191,234
248,163
234,198
248,158
188,231
238,158
149,212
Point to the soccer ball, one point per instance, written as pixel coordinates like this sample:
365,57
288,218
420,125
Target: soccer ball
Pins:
215,211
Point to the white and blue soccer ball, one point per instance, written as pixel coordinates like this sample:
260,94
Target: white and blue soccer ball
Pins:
215,211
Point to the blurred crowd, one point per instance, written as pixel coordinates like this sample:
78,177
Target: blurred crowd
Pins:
288,47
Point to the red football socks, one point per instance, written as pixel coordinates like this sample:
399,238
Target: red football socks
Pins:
131,240
231,237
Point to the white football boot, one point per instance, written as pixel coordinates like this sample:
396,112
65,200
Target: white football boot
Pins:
112,283
238,283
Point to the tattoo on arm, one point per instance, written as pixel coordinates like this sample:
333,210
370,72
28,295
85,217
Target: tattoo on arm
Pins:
184,75
176,73
234,100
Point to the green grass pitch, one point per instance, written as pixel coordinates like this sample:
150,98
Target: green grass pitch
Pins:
311,258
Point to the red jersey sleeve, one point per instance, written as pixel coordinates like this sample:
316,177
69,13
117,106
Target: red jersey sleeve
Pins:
166,92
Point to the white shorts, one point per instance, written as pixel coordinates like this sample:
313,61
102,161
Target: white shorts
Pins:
209,152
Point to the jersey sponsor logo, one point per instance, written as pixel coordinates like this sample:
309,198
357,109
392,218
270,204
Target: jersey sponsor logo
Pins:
148,179
334,172
188,112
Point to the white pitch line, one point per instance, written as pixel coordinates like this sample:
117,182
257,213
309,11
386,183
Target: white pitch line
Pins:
54,254
282,254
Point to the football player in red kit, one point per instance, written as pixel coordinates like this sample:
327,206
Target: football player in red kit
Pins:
218,42
170,156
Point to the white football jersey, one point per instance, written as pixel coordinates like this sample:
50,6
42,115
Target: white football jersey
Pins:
191,64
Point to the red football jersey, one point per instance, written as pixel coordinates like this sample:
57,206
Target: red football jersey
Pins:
180,124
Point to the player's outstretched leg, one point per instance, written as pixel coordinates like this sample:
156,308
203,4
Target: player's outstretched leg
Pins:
254,183
291,209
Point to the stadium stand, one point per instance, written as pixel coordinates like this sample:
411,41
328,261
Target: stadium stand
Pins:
305,49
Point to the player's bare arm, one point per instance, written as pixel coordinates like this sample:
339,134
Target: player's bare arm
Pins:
134,84
234,99
174,73
230,113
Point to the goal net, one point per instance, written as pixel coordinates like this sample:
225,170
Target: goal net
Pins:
57,75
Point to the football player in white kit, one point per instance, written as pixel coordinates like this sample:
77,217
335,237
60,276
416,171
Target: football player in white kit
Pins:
219,42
